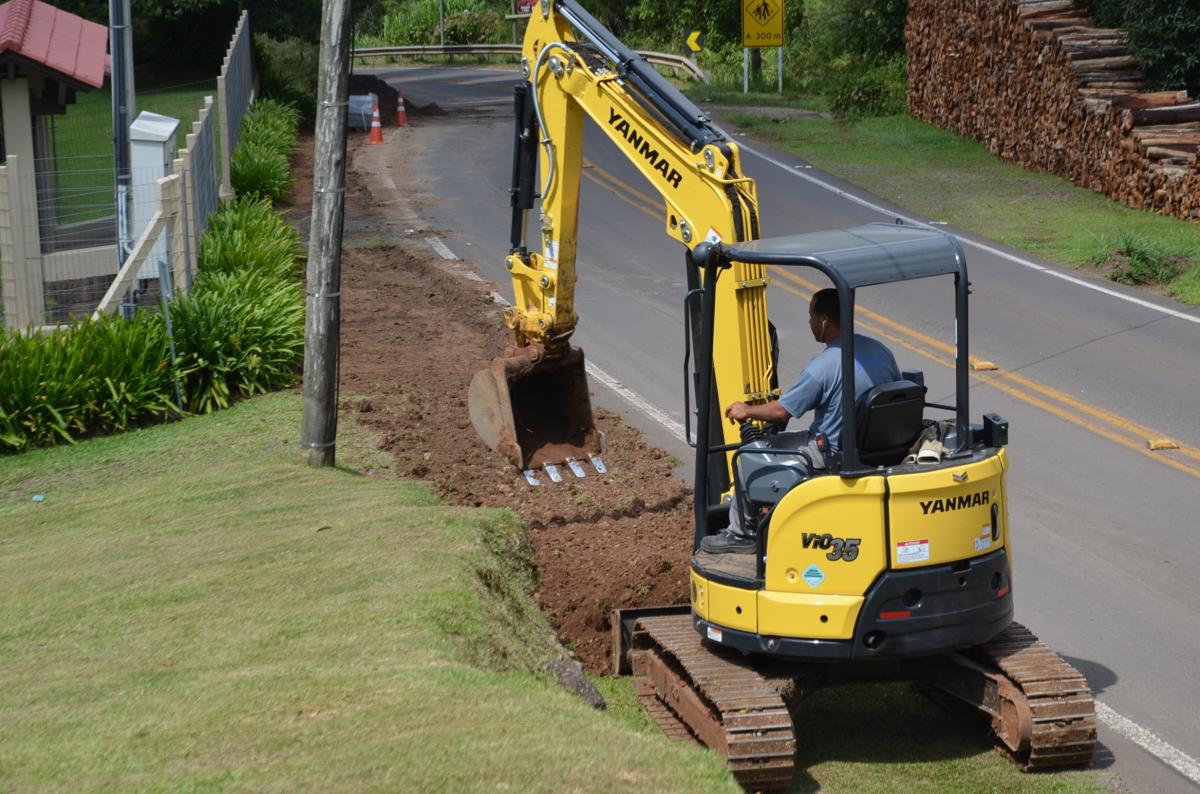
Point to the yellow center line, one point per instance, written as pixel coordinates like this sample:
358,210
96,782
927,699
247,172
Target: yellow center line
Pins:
1021,395
616,191
630,189
1048,392
1032,393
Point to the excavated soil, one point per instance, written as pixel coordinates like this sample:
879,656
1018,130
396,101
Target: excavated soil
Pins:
413,332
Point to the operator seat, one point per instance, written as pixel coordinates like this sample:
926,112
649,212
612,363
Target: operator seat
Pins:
889,421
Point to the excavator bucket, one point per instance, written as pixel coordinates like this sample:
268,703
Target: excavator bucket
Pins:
534,409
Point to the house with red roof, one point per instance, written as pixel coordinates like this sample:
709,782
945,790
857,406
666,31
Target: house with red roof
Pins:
46,56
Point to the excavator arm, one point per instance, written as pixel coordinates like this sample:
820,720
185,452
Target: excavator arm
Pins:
574,67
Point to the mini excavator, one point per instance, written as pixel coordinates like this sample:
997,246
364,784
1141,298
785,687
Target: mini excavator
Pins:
880,567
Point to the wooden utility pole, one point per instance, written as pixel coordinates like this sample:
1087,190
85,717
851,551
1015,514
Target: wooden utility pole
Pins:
322,327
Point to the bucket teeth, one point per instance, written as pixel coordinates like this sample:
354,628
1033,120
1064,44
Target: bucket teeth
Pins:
535,408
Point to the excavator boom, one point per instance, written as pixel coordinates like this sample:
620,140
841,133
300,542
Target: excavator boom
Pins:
531,405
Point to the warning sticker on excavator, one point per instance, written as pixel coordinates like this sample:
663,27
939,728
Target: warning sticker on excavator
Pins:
714,634
813,575
712,236
985,538
912,551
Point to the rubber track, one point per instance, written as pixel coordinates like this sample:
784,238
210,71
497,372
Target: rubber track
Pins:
759,738
1064,712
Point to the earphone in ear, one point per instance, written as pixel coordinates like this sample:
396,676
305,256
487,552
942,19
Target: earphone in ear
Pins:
824,323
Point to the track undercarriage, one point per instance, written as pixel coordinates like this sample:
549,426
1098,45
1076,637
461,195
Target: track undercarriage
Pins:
1041,710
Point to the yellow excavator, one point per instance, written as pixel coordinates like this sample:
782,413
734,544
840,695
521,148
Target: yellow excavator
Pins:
879,567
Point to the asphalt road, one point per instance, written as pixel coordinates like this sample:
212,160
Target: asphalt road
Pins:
1105,531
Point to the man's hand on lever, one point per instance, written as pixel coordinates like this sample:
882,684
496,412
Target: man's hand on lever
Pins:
771,411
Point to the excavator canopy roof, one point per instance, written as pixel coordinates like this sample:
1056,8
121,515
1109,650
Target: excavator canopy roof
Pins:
877,253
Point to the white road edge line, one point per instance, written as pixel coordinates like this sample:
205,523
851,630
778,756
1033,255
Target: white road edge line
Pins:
437,245
967,241
673,427
1170,755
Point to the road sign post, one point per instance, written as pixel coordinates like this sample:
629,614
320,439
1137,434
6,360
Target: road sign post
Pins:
762,26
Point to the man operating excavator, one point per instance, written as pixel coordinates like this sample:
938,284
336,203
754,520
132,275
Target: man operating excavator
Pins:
819,389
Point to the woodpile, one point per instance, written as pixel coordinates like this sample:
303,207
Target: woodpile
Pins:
1042,86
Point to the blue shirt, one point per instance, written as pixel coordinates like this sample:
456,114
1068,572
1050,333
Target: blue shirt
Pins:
819,388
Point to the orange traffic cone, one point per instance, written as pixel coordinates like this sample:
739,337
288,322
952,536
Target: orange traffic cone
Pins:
401,112
376,127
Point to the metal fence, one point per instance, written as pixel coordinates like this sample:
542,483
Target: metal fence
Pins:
58,252
235,92
58,247
200,162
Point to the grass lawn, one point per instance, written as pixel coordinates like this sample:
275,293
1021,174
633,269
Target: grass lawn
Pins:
954,179
189,607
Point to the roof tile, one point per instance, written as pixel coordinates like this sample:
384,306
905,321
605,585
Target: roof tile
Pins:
62,42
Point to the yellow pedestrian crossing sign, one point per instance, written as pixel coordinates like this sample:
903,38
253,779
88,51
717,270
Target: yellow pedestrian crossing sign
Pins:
762,23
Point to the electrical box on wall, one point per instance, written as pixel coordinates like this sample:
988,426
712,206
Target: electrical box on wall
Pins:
152,150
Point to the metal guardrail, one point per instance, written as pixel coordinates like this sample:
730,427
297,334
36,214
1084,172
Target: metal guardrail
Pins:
416,50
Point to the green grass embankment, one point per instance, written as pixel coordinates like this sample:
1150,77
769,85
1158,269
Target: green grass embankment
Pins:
953,179
189,607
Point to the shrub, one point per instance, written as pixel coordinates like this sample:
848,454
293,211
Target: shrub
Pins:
1137,260
246,234
261,164
272,124
1163,34
860,87
287,71
466,22
260,171
238,334
872,29
91,377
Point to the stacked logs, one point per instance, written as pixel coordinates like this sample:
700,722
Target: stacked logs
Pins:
1042,86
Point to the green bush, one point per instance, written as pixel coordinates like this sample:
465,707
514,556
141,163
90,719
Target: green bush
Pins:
261,164
868,29
864,88
466,22
272,124
1163,34
1138,260
91,377
260,171
246,234
238,334
287,71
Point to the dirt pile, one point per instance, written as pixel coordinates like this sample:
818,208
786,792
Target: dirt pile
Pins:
412,335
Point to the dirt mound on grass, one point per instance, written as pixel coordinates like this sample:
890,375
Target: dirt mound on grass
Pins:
413,333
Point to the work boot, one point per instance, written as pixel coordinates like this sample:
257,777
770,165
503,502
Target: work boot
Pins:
725,542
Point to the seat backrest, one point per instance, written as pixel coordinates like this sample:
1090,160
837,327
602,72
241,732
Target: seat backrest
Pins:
889,421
